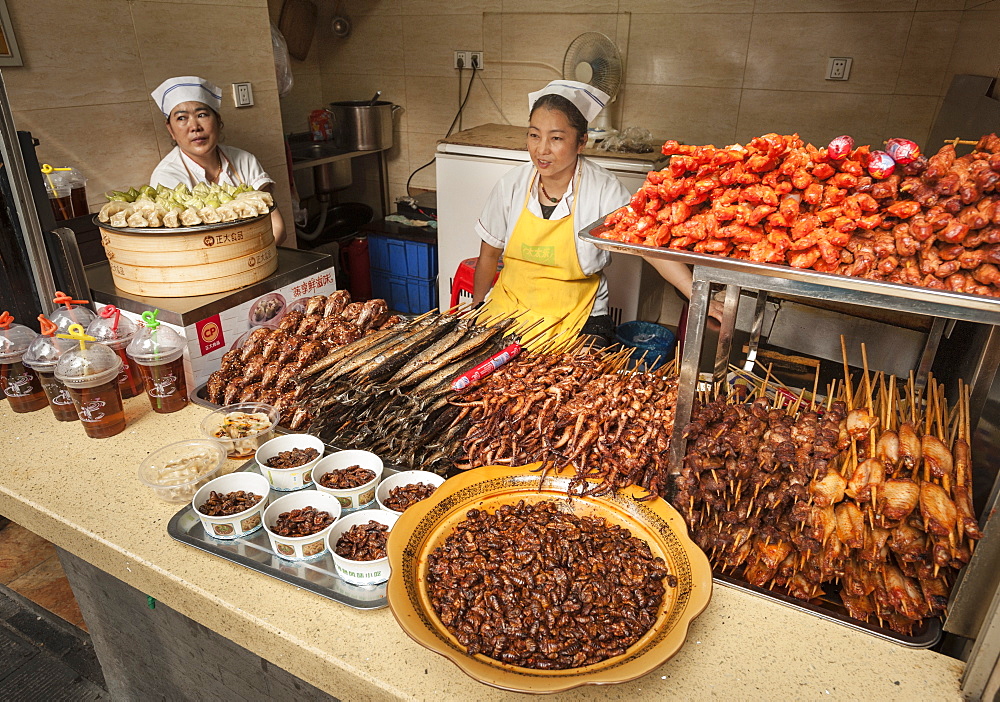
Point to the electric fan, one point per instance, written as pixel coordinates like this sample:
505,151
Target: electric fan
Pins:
593,58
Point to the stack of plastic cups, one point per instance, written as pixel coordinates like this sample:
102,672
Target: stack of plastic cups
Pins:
42,356
90,373
20,384
72,312
115,331
159,352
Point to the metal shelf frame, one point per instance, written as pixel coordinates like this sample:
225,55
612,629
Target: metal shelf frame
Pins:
974,610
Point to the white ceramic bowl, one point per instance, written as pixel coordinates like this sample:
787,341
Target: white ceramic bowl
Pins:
244,446
285,479
360,572
406,477
233,526
175,472
356,497
300,548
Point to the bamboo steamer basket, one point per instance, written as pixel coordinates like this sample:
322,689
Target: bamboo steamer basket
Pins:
190,261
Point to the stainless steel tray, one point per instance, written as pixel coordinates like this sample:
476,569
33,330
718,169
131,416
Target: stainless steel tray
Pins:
908,298
254,551
198,228
927,635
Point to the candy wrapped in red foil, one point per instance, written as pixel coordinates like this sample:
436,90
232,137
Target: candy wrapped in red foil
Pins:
840,147
903,151
880,164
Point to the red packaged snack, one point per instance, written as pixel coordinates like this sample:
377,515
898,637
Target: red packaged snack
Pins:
903,151
840,147
880,164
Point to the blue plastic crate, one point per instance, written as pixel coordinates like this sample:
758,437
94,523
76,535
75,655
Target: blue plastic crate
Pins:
405,294
400,257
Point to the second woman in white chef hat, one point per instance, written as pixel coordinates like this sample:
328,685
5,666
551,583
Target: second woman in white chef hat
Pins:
533,215
191,107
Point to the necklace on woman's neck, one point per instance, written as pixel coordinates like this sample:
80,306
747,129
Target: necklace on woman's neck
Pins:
548,197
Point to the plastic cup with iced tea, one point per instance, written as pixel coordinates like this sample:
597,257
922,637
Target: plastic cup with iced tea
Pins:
159,353
69,311
20,384
116,331
90,373
42,356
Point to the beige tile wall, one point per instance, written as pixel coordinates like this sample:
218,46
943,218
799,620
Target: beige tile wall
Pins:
701,71
89,66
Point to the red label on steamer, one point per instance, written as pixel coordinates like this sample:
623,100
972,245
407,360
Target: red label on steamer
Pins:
210,336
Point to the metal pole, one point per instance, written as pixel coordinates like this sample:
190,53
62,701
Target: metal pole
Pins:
756,330
687,381
722,352
24,204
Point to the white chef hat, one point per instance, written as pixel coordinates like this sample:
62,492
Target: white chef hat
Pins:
173,91
588,99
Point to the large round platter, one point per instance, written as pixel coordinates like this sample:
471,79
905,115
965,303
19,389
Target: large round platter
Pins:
197,229
427,524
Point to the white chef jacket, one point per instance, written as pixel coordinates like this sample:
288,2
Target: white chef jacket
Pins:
171,171
602,192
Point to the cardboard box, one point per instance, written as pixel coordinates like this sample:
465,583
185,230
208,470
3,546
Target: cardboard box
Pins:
224,321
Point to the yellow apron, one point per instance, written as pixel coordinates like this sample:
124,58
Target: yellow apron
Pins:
542,274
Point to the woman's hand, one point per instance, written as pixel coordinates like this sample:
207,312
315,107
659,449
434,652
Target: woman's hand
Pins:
277,222
486,270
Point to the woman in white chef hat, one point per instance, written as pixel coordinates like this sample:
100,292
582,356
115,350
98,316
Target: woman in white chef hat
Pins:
533,215
191,107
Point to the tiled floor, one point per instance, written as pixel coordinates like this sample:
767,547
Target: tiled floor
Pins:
29,566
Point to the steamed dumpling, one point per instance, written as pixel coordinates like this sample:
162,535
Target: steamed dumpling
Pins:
209,215
244,209
110,209
172,217
137,220
227,212
189,217
120,219
256,202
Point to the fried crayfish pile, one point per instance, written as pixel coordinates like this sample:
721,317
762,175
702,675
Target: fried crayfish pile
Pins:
533,586
797,501
266,367
935,223
574,409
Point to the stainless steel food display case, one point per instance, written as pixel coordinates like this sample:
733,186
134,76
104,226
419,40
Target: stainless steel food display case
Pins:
974,608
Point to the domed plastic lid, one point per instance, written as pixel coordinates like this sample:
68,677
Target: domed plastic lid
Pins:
44,352
87,367
70,312
111,327
155,344
14,339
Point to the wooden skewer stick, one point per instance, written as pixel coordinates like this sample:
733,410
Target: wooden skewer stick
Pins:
942,413
848,385
928,411
812,400
957,140
893,397
911,396
868,383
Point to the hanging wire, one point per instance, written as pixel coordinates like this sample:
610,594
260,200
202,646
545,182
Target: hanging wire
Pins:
493,100
454,122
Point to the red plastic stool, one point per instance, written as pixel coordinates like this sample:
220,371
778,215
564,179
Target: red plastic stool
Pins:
465,278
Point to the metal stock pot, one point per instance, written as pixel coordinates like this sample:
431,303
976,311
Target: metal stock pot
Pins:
362,125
